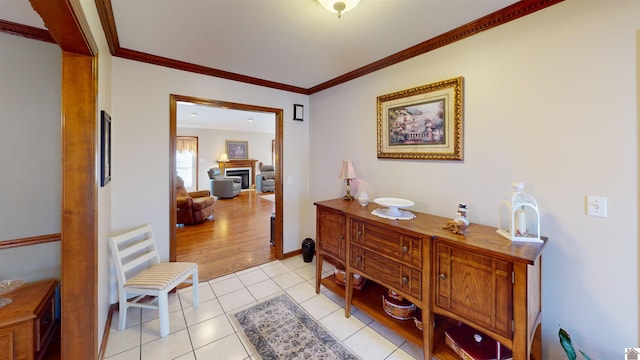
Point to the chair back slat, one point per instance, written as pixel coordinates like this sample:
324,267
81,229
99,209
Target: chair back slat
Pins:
132,249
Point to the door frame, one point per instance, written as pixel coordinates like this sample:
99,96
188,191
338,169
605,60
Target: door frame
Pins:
173,100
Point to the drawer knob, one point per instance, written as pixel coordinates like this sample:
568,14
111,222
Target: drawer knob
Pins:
341,237
359,258
405,249
442,276
405,279
359,232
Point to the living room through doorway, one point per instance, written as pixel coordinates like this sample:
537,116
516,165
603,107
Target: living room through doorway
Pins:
241,226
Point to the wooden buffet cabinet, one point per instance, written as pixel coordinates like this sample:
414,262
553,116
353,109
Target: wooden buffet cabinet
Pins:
27,325
480,278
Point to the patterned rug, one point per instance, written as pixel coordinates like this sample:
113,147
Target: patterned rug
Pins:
270,197
279,329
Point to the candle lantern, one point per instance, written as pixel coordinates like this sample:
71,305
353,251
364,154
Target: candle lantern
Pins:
518,216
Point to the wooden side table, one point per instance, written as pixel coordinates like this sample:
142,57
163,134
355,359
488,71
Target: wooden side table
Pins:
27,325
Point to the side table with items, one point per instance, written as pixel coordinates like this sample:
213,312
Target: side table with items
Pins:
28,323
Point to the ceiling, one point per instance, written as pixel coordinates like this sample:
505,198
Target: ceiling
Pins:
292,42
293,45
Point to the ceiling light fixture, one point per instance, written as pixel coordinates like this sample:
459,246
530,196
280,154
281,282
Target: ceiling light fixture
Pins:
338,6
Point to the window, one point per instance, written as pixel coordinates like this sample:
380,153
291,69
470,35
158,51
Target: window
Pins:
187,160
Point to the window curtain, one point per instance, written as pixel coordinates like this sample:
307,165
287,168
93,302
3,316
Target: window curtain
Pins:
187,144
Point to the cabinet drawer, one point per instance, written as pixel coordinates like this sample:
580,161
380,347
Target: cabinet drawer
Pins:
475,287
387,272
399,246
44,324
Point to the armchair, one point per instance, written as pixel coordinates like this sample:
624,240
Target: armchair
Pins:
193,207
224,187
266,180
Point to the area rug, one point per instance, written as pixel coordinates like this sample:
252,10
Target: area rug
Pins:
270,197
279,329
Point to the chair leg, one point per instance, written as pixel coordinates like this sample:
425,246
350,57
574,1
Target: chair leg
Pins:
122,317
194,286
122,313
163,309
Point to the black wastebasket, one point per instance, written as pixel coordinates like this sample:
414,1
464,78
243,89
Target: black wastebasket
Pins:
308,249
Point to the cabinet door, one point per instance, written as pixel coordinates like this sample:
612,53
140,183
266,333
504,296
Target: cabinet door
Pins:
331,228
475,287
399,246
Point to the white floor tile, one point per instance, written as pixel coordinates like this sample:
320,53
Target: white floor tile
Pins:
340,326
288,280
207,310
132,354
228,348
370,345
209,331
307,272
133,318
274,268
301,292
151,329
319,306
205,293
400,354
222,278
253,277
296,262
413,350
236,300
389,334
264,289
121,341
187,356
227,286
168,347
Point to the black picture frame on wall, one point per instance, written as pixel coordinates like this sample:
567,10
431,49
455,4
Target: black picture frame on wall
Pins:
105,149
298,112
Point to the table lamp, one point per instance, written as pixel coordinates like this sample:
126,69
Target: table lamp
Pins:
223,159
347,173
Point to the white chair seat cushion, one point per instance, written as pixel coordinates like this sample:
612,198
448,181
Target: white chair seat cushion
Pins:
158,276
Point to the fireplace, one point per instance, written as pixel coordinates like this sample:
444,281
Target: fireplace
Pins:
243,173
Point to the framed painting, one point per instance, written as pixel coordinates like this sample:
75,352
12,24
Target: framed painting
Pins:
424,122
237,149
105,149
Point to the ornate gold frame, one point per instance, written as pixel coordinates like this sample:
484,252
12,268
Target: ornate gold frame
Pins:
401,135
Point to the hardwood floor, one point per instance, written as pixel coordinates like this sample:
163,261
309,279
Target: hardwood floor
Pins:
237,238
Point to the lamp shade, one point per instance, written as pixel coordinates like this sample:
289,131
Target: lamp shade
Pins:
338,6
223,158
347,171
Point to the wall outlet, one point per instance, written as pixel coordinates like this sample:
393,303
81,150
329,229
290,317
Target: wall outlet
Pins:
597,206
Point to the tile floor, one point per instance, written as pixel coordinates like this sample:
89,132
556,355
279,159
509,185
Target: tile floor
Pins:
207,332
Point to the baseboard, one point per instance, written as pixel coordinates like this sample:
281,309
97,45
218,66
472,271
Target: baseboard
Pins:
107,329
292,254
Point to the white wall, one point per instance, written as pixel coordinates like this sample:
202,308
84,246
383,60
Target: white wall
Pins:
140,135
211,143
550,100
30,148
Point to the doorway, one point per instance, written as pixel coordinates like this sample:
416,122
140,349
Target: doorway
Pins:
278,113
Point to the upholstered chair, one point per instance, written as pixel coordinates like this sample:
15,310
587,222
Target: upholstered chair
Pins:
224,187
193,207
266,180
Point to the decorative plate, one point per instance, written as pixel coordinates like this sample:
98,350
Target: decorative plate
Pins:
393,208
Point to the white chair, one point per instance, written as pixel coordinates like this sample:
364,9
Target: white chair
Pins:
141,274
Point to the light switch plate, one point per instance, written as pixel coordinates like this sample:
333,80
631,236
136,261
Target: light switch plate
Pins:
597,206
